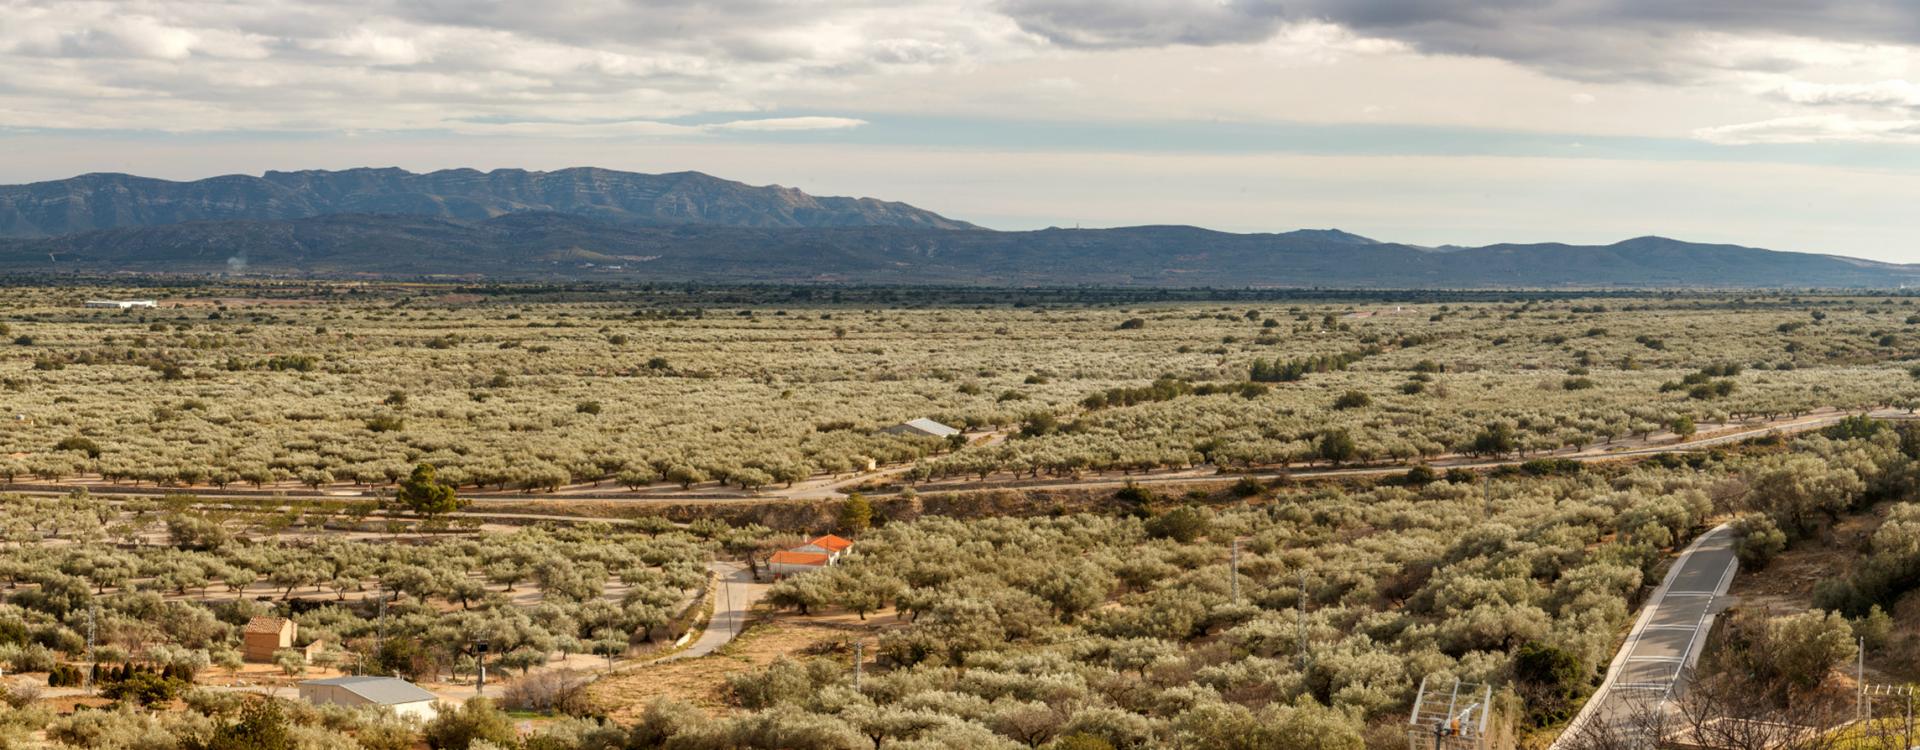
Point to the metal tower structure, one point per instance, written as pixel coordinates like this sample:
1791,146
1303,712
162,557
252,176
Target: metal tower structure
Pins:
1452,716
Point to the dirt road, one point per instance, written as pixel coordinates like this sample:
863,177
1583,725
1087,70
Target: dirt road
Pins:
830,488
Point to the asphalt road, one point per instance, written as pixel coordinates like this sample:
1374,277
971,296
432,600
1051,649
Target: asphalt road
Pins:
734,593
1664,644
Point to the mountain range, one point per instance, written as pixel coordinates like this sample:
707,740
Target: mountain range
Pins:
622,226
114,201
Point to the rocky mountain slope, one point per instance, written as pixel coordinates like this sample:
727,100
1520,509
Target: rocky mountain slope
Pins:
113,201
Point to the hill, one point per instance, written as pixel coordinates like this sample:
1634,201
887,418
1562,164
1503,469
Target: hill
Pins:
113,201
557,245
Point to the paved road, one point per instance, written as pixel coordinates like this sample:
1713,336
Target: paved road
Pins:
1665,641
734,593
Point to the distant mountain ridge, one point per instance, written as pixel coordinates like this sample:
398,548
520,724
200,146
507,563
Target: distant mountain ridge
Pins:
113,201
544,244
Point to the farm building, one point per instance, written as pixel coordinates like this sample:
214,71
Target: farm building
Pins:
814,555
828,545
264,635
404,698
921,427
788,562
122,304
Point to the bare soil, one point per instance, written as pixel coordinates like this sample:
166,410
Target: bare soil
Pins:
702,681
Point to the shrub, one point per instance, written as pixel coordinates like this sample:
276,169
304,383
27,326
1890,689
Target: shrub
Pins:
550,691
1549,680
1803,648
79,444
477,720
1542,467
262,725
142,688
19,695
290,661
386,423
636,478
32,657
1184,524
1421,475
1757,540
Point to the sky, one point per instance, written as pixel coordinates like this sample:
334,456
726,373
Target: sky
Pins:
1788,124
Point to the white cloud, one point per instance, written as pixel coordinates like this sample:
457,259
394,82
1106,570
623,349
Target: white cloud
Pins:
374,47
645,129
780,124
629,129
1829,128
1888,93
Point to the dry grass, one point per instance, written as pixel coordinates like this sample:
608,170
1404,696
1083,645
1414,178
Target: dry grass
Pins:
702,681
1786,585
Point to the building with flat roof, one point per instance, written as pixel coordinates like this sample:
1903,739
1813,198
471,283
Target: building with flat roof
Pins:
921,427
122,304
404,698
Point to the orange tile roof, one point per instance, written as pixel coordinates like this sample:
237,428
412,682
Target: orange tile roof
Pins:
264,625
832,543
790,557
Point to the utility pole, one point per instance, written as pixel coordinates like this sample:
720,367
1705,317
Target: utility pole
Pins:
1233,572
1301,619
88,677
859,655
1860,678
380,624
480,682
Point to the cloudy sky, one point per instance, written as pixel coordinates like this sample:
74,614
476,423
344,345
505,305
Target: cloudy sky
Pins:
1792,124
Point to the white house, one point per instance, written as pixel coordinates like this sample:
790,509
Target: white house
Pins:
814,555
828,545
404,698
122,304
788,562
921,427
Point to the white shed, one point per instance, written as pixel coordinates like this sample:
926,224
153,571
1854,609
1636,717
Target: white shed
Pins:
404,698
922,426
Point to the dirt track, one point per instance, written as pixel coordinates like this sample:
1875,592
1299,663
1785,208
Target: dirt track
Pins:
830,488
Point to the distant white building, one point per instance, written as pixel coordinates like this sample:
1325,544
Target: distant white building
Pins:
404,698
921,427
122,304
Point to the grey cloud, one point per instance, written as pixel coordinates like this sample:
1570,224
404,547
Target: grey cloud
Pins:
1580,39
414,64
1146,23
